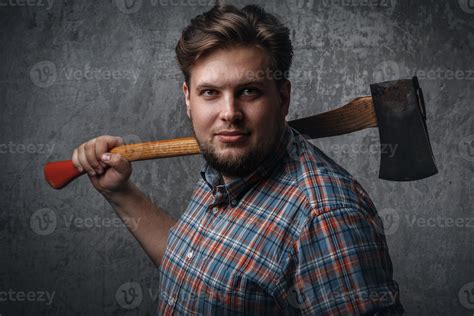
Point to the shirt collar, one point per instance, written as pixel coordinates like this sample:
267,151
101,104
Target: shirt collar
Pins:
233,191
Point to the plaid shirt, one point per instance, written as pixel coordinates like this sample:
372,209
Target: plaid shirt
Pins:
299,236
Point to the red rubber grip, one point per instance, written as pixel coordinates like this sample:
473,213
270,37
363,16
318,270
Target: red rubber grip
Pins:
60,173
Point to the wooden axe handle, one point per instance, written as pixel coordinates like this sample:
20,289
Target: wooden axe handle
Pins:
158,149
356,115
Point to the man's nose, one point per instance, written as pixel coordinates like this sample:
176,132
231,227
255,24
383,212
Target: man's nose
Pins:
231,111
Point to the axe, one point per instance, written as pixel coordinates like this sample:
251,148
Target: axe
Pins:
396,107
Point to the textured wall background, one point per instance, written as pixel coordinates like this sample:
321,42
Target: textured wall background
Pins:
71,71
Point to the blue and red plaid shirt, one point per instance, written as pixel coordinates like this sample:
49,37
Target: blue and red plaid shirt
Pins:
298,236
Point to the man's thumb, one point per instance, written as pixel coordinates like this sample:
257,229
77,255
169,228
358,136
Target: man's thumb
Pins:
117,162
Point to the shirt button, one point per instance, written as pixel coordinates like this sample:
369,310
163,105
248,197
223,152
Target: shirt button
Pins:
233,202
189,255
215,209
171,300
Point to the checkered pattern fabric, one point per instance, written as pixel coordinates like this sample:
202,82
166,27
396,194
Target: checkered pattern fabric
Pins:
298,236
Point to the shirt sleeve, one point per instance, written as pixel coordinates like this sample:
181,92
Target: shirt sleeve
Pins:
341,266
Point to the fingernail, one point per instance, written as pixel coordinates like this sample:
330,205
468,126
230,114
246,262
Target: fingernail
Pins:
106,157
92,173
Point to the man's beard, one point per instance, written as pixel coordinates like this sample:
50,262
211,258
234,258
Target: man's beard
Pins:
239,165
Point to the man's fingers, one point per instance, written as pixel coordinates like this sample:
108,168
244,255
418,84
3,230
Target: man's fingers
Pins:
110,141
88,156
105,144
75,160
117,162
91,156
81,155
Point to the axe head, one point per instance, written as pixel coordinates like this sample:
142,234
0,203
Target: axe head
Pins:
406,152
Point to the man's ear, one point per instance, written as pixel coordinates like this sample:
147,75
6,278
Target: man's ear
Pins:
285,95
187,93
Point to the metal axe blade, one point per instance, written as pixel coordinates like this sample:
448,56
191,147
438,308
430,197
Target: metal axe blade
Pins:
401,118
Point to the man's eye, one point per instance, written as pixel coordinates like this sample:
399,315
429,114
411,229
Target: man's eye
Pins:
208,93
249,92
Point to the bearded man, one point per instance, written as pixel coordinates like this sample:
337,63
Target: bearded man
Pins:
274,226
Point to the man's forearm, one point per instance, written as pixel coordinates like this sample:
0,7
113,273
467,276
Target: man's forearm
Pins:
149,224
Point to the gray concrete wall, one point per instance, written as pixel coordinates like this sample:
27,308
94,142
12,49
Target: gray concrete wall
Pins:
72,70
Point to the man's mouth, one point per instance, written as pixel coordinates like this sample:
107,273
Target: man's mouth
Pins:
231,136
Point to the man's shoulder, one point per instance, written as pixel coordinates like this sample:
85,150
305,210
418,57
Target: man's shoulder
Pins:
324,183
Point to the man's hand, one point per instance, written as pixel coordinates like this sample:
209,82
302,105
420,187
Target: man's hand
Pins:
107,172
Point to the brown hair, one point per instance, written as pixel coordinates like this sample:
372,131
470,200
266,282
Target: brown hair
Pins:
226,26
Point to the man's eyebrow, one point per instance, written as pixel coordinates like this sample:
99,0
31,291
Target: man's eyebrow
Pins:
206,85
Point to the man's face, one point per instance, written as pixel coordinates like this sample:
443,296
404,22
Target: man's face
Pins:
237,109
